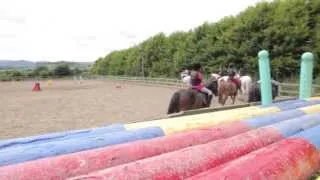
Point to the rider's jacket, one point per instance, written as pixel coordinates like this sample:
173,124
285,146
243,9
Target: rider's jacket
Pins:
196,79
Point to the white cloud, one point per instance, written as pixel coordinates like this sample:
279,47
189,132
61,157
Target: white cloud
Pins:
83,30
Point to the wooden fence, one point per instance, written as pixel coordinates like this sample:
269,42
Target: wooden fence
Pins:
285,89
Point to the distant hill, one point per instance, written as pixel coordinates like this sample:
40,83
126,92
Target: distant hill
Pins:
24,64
8,64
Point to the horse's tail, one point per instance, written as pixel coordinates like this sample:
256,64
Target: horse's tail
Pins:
254,93
251,96
174,103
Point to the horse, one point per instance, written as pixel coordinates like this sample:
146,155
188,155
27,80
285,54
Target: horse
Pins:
226,78
214,75
255,94
227,88
246,82
186,79
185,76
187,99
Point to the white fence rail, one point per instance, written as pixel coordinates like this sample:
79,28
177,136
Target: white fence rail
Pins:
290,89
285,89
143,80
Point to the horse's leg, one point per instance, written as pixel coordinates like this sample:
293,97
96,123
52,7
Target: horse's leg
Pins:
234,95
199,103
233,99
221,97
209,100
224,99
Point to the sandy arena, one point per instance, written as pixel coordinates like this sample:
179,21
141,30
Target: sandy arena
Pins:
68,105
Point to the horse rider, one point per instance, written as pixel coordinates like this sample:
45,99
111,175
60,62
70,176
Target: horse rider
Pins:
196,80
232,73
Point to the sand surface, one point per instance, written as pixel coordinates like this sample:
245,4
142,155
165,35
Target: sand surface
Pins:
69,105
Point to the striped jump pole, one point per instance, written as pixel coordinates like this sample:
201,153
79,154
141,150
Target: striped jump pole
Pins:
30,152
193,160
58,136
69,165
294,158
180,124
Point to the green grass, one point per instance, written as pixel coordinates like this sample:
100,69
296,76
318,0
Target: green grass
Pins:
315,176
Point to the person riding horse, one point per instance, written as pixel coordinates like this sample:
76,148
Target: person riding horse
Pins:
198,95
231,73
196,81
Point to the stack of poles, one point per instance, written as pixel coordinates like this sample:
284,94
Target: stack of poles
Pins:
176,148
296,157
190,161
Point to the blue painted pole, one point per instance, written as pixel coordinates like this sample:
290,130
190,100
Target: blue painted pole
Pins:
265,78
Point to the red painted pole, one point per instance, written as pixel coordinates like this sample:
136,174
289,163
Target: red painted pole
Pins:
293,159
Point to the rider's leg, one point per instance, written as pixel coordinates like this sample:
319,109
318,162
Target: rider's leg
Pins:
209,92
206,90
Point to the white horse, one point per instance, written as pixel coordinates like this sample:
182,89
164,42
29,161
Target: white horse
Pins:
246,82
186,79
217,76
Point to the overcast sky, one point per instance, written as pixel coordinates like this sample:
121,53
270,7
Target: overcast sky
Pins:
83,30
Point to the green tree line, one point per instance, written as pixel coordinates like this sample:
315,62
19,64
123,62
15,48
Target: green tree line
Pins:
286,28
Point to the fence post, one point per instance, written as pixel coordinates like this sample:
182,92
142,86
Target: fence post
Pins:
265,79
305,90
279,90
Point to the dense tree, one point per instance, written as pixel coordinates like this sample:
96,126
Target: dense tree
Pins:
286,28
62,70
42,71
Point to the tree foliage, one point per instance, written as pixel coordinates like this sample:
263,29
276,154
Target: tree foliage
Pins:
62,70
286,28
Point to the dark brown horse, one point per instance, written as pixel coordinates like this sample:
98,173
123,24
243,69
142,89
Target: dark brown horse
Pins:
187,99
227,88
255,93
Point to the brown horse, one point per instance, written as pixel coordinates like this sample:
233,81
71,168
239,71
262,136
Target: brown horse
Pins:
227,88
187,99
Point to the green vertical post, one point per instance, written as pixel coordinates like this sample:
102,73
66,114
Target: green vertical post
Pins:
305,90
265,78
